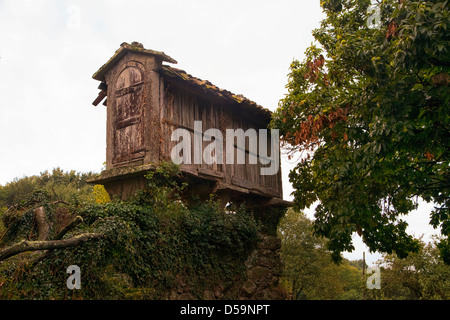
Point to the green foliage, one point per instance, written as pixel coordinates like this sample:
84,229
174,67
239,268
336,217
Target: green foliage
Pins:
368,113
422,275
59,185
21,197
308,268
310,273
148,242
20,219
201,242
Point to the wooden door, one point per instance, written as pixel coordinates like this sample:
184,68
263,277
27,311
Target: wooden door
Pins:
128,126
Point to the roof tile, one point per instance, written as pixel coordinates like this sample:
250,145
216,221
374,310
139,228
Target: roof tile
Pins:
208,87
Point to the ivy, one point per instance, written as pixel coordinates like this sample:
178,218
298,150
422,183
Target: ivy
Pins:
20,218
148,242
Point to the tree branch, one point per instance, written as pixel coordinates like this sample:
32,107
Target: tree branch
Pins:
26,245
69,227
60,201
59,236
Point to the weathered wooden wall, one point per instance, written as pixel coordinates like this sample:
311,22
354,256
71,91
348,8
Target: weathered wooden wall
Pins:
147,101
133,111
180,108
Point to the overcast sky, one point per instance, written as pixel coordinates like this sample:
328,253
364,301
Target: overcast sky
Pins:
49,50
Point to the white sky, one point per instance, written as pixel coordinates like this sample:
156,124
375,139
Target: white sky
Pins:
49,50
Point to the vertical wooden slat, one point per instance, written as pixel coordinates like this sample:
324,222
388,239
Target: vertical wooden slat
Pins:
188,108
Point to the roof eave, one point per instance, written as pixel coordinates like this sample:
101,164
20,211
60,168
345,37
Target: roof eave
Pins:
204,86
124,49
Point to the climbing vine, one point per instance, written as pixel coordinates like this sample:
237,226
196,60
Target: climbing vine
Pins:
148,244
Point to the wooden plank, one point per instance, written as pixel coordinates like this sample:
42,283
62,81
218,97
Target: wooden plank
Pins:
187,108
188,168
272,202
226,186
165,119
260,190
212,173
100,97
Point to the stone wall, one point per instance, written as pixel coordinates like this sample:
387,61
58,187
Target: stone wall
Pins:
264,268
259,282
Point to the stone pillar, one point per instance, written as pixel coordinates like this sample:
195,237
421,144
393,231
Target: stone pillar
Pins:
264,269
264,265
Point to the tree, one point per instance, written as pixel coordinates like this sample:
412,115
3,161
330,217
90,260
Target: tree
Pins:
367,112
67,186
308,268
147,247
30,208
35,219
421,275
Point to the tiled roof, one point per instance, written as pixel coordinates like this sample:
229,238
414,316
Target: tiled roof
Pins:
124,48
203,86
209,88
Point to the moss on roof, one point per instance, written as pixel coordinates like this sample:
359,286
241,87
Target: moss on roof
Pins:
203,86
124,48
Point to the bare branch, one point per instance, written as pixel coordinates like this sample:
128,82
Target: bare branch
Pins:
60,201
59,236
26,245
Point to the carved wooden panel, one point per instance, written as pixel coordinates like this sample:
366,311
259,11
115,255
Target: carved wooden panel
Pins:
128,126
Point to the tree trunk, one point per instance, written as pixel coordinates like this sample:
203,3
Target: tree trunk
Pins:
42,224
59,236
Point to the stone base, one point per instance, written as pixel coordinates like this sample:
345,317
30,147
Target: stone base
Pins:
261,282
263,266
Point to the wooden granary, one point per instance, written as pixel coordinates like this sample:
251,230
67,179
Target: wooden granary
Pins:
147,100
